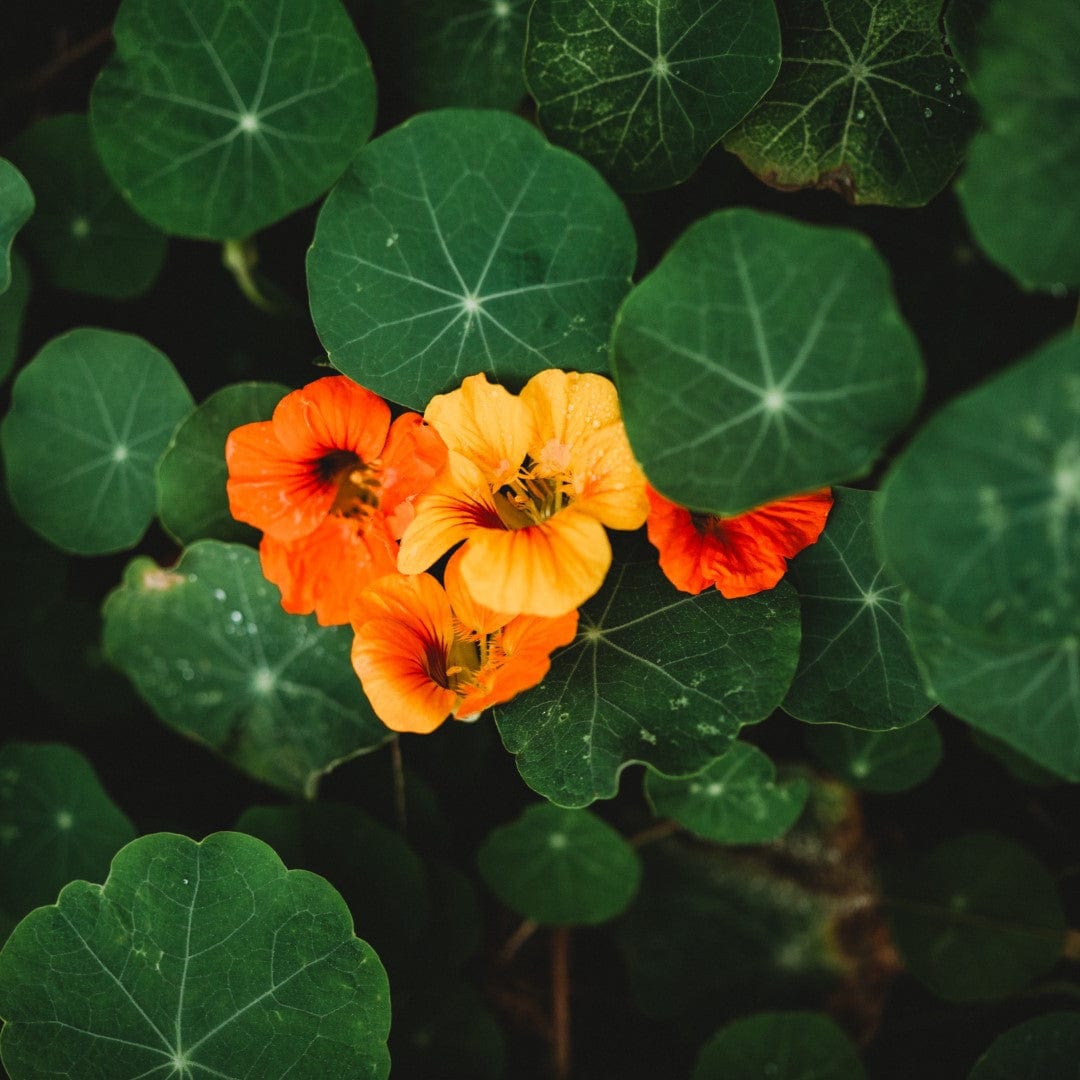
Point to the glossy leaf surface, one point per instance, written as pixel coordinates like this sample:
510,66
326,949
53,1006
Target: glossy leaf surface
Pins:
16,206
877,761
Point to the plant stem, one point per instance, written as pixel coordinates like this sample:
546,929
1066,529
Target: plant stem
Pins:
1072,945
661,830
399,785
240,258
560,1003
518,938
69,55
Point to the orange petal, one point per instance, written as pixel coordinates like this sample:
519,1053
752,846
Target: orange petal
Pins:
271,489
486,424
322,572
413,457
470,614
547,569
404,632
329,414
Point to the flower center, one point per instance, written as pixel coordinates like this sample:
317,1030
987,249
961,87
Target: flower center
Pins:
358,485
530,499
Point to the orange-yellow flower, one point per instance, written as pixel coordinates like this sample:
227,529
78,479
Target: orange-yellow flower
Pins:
529,484
331,482
740,555
424,653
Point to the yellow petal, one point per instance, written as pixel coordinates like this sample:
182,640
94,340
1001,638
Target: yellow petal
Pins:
470,614
608,482
567,406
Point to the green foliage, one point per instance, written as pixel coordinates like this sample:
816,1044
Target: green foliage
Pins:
878,761
89,417
462,241
560,867
57,823
216,119
867,103
1041,1048
855,664
977,918
16,206
653,676
203,958
643,88
1019,190
191,474
762,357
735,800
83,234
209,648
963,18
12,310
782,1046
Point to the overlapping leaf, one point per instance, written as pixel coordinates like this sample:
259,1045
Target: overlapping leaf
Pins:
1040,1048
83,233
12,310
855,664
644,88
90,416
878,761
462,241
16,206
208,646
761,358
216,119
867,103
653,676
194,960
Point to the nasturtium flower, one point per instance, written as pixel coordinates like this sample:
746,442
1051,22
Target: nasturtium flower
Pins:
424,652
741,555
529,484
331,482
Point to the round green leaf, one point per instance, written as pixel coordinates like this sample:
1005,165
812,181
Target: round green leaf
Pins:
560,867
735,800
980,515
1018,766
460,52
877,761
90,416
216,119
1020,189
653,676
191,474
12,310
56,823
867,103
1043,1048
208,646
781,1046
761,358
855,665
1027,694
16,206
463,240
644,88
194,960
83,233
977,918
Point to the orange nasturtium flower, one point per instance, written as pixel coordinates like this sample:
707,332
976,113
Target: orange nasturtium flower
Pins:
529,484
331,483
424,653
741,555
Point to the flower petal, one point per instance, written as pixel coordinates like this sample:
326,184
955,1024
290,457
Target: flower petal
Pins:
333,413
568,405
472,616
413,457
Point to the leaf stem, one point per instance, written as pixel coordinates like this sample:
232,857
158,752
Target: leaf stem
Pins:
240,258
69,54
399,785
560,1003
518,938
661,830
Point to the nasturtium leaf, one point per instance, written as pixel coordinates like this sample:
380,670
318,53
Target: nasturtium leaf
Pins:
877,761
644,88
855,664
463,241
1048,1046
57,823
977,918
1018,766
867,103
216,119
1020,189
962,21
781,1046
560,867
379,876
90,416
12,310
761,358
191,474
208,646
194,960
654,676
735,800
1027,694
980,515
83,234
459,52
16,206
